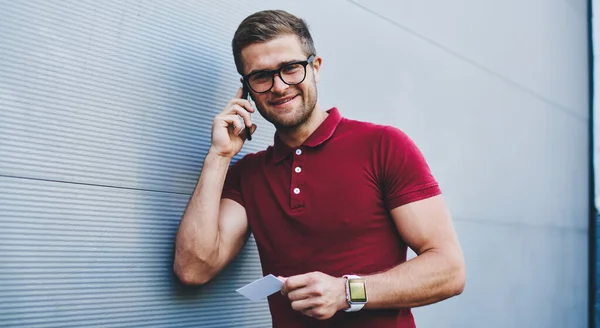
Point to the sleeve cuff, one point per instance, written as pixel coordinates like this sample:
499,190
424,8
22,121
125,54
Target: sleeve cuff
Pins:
236,197
413,196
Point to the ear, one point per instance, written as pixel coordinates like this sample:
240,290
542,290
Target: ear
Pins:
316,67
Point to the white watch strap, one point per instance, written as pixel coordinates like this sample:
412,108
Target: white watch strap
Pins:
353,307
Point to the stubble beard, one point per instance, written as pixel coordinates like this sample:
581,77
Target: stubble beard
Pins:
301,114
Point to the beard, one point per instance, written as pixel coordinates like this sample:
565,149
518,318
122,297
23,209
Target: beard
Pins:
290,118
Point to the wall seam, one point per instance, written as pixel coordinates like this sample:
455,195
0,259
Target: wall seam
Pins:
465,59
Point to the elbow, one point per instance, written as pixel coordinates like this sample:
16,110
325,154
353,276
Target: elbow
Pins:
192,270
459,278
189,276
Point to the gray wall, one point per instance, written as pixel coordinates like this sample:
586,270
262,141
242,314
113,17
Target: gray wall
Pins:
104,116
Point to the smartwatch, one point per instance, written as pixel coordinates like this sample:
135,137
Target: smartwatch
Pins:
356,292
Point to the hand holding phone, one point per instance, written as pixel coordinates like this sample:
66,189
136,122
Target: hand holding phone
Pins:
228,130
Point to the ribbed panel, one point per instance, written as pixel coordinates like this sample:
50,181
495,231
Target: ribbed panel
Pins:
105,116
111,93
75,255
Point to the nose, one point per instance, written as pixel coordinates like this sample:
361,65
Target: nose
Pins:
278,84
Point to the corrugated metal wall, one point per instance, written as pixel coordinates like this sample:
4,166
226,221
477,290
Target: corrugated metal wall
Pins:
105,116
105,113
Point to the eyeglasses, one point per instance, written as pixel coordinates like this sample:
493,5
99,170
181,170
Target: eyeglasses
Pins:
291,74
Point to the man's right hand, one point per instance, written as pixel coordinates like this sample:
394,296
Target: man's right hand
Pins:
228,132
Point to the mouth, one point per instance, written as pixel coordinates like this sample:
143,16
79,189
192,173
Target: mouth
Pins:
281,102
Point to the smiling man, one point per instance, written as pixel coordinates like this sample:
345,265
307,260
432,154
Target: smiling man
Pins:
333,204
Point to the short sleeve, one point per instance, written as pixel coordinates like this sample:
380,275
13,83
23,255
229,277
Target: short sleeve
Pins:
232,188
405,175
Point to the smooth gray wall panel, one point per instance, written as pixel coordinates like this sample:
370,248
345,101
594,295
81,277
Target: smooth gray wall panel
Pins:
580,5
523,42
519,276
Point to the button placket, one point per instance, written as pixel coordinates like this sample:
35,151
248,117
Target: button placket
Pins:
297,179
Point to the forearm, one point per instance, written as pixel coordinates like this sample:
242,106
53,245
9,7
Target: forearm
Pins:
426,279
197,238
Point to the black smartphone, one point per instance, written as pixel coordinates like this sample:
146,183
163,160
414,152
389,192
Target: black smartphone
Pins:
245,96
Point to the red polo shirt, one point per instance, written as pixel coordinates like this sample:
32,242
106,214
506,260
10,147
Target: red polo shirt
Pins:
324,206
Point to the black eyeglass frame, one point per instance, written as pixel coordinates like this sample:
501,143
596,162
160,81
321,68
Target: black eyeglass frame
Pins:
304,63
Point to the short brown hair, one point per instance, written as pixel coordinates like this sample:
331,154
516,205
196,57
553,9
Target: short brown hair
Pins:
267,25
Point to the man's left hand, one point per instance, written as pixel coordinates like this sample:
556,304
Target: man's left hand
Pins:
316,294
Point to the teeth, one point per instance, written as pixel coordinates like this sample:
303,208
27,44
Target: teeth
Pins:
283,102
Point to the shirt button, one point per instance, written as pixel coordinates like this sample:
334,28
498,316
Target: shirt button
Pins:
298,169
298,151
296,191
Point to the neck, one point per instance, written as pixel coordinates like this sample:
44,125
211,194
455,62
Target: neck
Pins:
296,136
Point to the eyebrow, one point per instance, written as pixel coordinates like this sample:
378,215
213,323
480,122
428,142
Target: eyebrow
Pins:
278,66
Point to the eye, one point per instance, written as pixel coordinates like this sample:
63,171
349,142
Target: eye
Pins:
260,77
290,69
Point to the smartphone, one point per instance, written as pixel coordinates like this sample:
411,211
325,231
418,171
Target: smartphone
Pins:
245,96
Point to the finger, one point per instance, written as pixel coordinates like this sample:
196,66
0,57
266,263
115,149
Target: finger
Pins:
299,294
282,279
245,103
295,282
239,93
233,120
239,110
304,305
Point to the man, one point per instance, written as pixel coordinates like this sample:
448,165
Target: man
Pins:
333,204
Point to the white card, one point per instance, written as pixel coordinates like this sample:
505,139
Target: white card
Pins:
261,288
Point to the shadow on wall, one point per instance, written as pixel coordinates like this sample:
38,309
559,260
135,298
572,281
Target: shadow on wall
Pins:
198,88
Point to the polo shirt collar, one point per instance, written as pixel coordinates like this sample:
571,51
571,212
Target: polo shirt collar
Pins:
319,136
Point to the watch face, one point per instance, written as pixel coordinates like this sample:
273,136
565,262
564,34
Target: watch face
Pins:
358,292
